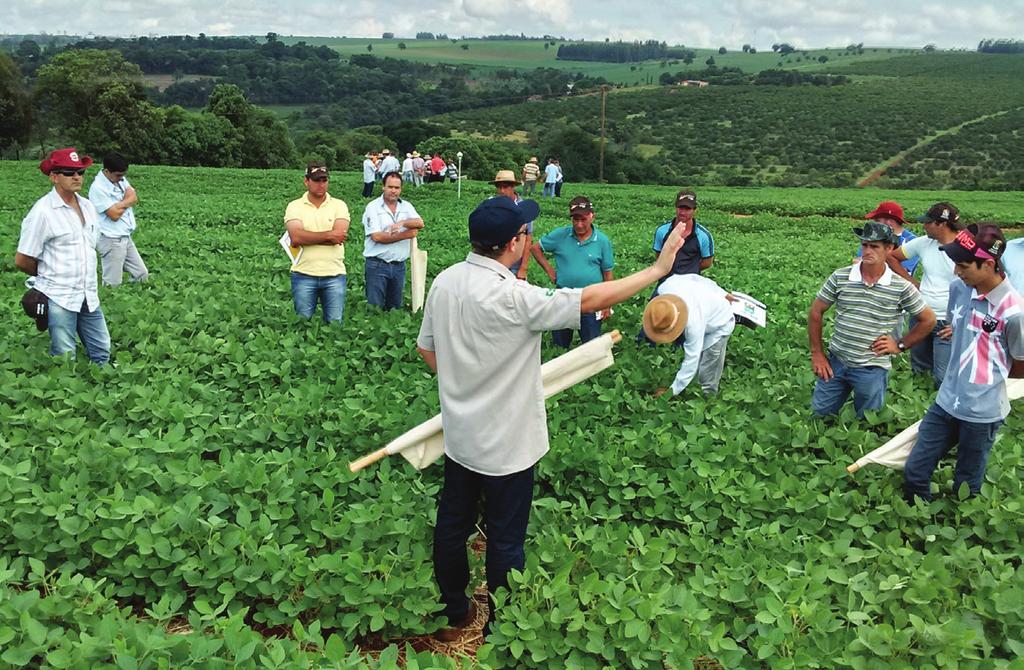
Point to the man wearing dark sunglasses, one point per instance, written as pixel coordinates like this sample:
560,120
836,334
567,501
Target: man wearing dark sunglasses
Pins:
58,248
318,224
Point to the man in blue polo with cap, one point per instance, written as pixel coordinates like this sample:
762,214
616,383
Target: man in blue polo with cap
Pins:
870,299
481,334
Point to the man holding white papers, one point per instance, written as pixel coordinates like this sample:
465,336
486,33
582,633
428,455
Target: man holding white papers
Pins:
696,314
318,224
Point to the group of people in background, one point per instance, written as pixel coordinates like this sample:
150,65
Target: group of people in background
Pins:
58,246
553,178
415,169
966,331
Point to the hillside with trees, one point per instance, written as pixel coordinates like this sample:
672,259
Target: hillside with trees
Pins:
789,135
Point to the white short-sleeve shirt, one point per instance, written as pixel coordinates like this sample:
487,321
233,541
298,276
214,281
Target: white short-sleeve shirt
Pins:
485,328
64,247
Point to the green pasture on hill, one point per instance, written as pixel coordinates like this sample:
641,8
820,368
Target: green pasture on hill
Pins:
191,507
531,54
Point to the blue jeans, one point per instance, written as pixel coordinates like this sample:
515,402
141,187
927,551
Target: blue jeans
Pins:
506,512
330,291
590,328
384,282
938,433
867,383
90,327
932,353
367,189
549,190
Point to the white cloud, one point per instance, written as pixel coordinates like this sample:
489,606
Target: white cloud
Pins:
695,23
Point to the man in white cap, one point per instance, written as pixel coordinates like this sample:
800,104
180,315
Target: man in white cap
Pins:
388,164
369,174
481,334
694,312
407,171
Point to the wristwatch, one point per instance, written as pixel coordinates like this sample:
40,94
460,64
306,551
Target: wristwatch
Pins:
901,345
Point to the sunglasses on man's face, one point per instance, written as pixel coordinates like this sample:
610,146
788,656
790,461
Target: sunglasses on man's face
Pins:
69,173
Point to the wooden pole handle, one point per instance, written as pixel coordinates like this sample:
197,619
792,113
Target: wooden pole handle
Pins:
852,467
616,336
368,459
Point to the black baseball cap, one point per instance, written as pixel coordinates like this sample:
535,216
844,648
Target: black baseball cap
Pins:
686,198
580,203
981,242
497,220
942,212
316,170
36,306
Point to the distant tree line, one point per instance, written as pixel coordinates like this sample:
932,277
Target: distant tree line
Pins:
1002,46
732,76
214,56
623,52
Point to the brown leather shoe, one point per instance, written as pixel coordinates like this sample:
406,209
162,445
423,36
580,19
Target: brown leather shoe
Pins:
455,631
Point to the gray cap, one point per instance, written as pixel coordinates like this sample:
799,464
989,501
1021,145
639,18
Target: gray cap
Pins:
873,231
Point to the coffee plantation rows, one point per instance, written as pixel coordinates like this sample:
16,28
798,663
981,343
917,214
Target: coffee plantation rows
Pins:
191,507
804,136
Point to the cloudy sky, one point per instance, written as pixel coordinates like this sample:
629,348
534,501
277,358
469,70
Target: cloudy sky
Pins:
701,23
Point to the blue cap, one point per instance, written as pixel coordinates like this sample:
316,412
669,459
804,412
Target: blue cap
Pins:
497,220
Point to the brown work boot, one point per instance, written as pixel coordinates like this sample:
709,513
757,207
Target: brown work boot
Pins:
455,631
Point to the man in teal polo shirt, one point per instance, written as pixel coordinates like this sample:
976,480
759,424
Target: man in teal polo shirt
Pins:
583,255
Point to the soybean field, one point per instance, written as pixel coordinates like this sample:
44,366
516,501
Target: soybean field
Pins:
192,505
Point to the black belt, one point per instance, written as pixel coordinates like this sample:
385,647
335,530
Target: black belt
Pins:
381,260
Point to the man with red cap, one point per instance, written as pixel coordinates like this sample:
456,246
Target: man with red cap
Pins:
58,247
890,213
986,323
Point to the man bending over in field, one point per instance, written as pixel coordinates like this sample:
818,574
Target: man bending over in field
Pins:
481,334
694,312
869,300
318,224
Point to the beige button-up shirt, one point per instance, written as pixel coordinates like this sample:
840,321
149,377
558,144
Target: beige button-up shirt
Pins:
485,328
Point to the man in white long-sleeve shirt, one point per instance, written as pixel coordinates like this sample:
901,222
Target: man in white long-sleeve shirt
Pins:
695,313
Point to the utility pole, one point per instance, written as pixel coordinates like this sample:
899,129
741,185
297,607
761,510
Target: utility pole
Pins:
600,164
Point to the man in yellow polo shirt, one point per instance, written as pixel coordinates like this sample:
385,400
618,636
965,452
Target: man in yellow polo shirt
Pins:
318,225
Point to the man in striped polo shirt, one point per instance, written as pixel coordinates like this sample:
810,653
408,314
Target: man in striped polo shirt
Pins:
869,300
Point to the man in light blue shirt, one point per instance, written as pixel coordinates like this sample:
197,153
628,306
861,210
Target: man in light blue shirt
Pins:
1013,263
699,310
551,172
113,197
390,224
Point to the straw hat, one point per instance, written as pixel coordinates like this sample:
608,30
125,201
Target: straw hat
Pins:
506,176
415,154
665,318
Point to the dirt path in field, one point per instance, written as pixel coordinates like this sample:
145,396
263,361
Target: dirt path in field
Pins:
880,169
